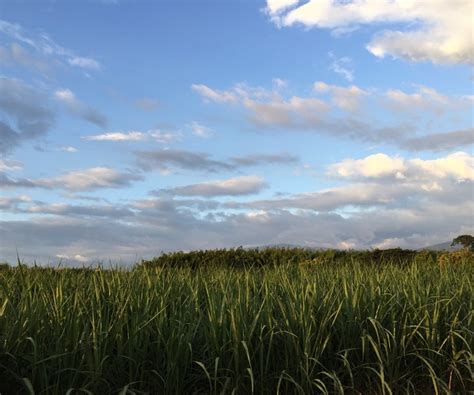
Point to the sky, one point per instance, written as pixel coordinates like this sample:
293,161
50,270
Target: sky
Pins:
129,128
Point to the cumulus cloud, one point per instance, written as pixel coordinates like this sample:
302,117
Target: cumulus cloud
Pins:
236,186
440,33
80,109
459,166
28,109
162,226
377,165
390,201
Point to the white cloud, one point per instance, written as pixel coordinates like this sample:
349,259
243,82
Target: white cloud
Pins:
214,95
77,257
275,7
10,165
164,137
153,134
200,130
117,136
279,83
377,165
348,98
68,149
442,31
237,94
458,166
86,63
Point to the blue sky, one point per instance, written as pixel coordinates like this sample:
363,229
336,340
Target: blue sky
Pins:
129,127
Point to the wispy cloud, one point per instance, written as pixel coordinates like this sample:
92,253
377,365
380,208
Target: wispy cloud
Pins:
200,130
43,44
157,135
77,180
85,63
80,109
148,104
342,66
236,186
198,161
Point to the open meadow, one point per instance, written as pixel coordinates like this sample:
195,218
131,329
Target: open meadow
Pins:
293,322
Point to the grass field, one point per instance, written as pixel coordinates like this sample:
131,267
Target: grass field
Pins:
313,326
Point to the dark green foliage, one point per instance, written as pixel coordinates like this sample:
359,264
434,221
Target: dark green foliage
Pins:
4,266
246,258
467,241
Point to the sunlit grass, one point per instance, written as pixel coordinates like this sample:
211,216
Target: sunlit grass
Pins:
288,329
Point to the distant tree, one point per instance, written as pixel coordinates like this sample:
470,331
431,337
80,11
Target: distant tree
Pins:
467,241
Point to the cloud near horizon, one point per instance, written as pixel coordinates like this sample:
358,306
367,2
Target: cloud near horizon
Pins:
412,197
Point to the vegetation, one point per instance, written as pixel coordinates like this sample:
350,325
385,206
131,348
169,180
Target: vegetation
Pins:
237,321
247,258
467,241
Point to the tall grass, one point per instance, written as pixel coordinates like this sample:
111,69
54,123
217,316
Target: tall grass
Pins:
288,329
